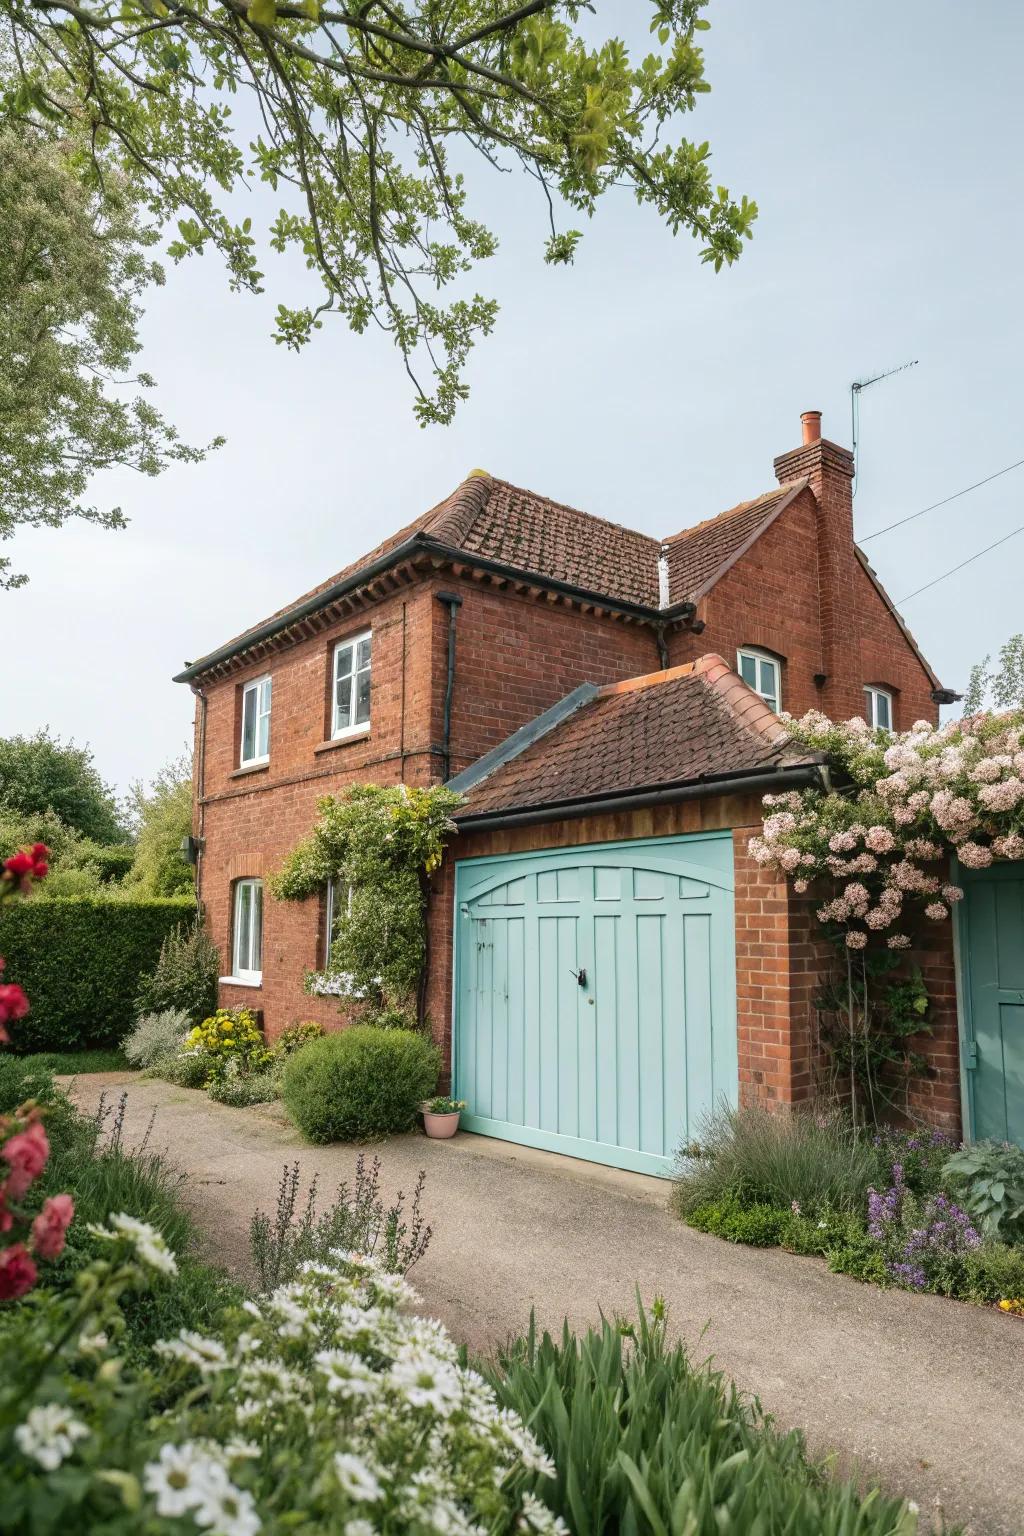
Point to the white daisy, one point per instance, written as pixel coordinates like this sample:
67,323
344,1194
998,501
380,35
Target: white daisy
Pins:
180,1478
357,1479
426,1382
345,1373
207,1355
227,1510
48,1435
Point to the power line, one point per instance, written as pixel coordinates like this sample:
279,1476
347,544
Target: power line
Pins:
944,502
969,561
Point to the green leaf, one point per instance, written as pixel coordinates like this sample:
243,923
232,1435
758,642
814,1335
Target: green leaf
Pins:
262,13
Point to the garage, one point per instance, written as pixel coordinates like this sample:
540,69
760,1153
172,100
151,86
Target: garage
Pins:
595,991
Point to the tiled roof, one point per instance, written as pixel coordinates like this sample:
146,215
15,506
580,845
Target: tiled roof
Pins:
698,556
695,722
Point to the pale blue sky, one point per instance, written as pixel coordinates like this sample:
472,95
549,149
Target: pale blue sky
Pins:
883,145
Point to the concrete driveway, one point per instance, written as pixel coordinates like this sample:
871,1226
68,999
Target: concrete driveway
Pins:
923,1394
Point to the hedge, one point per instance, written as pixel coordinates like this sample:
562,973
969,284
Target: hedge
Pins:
80,959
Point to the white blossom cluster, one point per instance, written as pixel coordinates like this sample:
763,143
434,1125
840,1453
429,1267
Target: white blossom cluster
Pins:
327,1406
900,804
366,1402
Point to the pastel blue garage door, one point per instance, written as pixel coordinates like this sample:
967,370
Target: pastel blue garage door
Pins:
595,996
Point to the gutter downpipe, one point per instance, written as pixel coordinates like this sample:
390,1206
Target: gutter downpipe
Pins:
751,783
452,601
200,694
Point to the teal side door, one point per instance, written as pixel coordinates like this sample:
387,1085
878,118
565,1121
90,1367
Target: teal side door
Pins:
991,944
595,996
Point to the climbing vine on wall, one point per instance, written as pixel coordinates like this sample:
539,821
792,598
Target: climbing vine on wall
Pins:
380,843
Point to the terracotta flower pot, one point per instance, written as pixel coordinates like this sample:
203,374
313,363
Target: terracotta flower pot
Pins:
440,1127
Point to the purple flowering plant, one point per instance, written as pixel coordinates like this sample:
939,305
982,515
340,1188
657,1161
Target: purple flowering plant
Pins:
923,1242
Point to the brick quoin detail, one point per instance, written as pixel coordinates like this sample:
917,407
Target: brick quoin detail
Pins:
799,591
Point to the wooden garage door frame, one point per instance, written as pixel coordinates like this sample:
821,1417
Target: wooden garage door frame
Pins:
718,871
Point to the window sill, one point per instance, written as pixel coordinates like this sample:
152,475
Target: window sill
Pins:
343,741
247,768
239,981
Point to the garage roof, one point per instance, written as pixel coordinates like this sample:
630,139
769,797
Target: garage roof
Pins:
693,724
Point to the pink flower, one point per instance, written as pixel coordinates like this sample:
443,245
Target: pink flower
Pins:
789,858
952,893
50,1226
898,941
17,1272
856,897
1009,847
842,842
856,940
1003,796
974,856
800,886
880,840
936,911
26,1155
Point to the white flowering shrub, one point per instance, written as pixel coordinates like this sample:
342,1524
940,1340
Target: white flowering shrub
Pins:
876,846
324,1407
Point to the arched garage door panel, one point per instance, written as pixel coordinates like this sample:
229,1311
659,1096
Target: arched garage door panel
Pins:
595,996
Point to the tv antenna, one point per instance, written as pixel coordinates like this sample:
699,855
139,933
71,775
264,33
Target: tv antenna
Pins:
855,391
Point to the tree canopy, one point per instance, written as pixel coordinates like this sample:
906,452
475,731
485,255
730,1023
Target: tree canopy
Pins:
40,774
364,115
1000,686
162,815
73,263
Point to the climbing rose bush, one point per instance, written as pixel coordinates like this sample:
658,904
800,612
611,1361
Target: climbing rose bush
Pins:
325,1406
876,845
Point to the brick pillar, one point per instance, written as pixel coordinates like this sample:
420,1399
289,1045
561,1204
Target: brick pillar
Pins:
776,980
829,469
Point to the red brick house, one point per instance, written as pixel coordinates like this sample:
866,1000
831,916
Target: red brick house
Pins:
581,683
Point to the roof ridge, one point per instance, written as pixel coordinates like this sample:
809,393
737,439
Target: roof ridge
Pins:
747,707
459,510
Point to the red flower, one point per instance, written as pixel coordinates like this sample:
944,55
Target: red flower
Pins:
20,863
17,1272
40,851
51,1224
13,1002
26,1154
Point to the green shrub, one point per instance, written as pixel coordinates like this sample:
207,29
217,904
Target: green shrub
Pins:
295,1037
987,1179
239,1090
816,1159
993,1272
359,1083
761,1226
156,1035
79,961
645,1442
186,1070
111,861
24,1078
185,974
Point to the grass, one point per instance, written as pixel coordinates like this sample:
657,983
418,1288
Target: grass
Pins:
67,1063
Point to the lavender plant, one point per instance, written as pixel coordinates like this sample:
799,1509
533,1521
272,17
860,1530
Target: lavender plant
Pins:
924,1243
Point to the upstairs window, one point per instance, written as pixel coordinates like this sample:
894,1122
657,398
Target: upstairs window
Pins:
762,673
878,708
256,722
351,706
247,935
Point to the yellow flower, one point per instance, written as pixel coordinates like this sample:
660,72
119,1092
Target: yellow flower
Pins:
1004,1305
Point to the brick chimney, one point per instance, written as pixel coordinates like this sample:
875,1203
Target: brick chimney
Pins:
829,469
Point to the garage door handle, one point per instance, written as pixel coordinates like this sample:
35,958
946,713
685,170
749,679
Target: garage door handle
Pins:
581,975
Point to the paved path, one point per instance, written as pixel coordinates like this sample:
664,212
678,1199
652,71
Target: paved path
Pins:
924,1394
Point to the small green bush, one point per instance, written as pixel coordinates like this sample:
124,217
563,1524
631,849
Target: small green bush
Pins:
987,1179
24,1078
359,1083
761,1226
186,1070
80,961
817,1159
994,1272
155,1036
185,974
242,1089
645,1442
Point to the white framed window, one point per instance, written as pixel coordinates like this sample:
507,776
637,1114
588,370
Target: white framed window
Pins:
325,983
255,747
247,933
762,673
878,708
350,699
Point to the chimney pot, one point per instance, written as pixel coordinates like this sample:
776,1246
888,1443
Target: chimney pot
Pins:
810,423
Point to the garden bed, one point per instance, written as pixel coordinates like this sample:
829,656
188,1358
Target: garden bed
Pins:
898,1208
